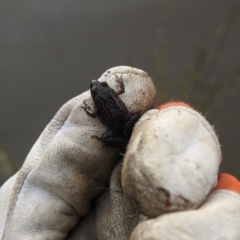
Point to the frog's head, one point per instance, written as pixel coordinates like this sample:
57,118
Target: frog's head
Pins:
96,87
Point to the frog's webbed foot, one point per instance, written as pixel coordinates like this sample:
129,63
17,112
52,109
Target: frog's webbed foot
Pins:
130,124
111,139
121,85
88,111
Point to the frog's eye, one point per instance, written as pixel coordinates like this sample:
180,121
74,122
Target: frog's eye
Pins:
93,89
92,84
104,84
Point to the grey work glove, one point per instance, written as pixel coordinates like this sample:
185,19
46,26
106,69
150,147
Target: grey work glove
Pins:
59,191
170,174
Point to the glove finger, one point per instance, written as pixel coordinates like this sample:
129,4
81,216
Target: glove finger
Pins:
112,216
217,218
66,168
171,162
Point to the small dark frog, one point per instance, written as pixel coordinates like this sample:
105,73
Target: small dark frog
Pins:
112,112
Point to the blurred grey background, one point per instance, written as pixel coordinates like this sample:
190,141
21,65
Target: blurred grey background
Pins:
51,49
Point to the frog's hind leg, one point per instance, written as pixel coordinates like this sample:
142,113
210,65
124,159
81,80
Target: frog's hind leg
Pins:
121,85
130,124
111,139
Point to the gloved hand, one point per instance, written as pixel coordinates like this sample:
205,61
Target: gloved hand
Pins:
217,218
55,195
171,164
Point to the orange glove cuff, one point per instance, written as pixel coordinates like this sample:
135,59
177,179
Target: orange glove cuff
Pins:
172,104
228,182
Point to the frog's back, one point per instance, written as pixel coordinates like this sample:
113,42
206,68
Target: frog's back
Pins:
112,111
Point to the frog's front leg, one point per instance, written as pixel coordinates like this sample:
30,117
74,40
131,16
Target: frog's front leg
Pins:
121,85
130,124
110,138
90,113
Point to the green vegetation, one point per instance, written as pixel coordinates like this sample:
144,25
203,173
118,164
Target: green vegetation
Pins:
196,82
6,165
